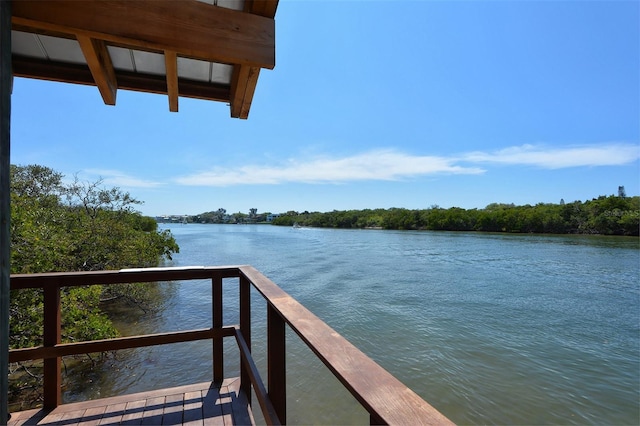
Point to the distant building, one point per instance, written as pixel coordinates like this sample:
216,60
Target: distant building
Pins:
272,216
172,219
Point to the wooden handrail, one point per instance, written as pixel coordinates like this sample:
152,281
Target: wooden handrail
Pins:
387,400
115,344
122,276
269,412
52,349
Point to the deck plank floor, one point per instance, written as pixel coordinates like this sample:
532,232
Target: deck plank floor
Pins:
199,404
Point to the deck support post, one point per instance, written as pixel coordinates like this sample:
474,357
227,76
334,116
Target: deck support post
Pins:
276,363
218,348
374,419
5,208
245,329
52,327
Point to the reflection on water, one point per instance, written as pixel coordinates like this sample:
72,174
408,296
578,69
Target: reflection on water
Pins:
489,328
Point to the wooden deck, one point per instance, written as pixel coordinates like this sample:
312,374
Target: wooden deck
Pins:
385,398
199,404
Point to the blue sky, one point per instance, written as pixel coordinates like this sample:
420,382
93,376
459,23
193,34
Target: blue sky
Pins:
375,104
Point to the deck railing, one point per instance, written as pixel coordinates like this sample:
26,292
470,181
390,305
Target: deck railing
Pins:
385,398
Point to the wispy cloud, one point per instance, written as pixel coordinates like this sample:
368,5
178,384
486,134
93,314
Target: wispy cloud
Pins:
388,165
373,165
118,178
612,154
395,165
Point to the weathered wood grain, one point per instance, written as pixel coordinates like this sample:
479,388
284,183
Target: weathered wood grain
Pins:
205,403
193,29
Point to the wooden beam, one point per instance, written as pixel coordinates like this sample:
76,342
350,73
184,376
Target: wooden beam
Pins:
244,78
276,363
245,331
99,62
387,400
190,28
171,67
218,320
252,377
135,275
52,71
52,336
120,343
243,85
266,8
80,74
5,200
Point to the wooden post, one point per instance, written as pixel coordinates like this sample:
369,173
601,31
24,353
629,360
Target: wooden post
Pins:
375,420
276,368
218,348
245,329
52,321
5,208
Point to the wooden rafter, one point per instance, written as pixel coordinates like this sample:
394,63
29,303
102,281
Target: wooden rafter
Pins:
171,66
245,78
99,62
243,85
266,8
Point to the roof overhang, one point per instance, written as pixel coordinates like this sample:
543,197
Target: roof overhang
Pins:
206,49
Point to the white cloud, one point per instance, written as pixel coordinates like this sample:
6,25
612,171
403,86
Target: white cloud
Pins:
373,165
612,154
119,179
390,165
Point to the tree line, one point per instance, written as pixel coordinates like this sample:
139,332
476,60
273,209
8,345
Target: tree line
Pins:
606,215
221,216
59,225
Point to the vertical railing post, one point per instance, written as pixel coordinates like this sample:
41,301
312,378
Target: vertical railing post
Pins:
276,368
218,348
245,329
5,200
375,420
52,326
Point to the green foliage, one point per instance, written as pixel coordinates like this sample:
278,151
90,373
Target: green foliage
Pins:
76,227
26,318
283,220
218,216
82,318
608,215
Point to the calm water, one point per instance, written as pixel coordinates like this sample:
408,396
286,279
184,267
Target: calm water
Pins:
489,328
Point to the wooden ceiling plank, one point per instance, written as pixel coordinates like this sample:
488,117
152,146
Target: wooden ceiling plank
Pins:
171,66
243,84
190,28
99,62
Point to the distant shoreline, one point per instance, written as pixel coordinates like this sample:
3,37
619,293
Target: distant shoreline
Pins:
605,215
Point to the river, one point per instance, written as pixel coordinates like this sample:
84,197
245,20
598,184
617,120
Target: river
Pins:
488,328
